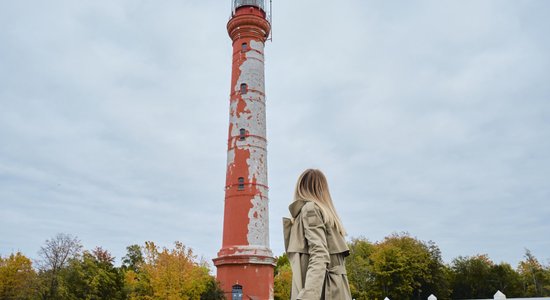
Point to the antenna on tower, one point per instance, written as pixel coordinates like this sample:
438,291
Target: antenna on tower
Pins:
270,38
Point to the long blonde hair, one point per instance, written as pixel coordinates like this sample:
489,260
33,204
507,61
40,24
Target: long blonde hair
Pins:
312,185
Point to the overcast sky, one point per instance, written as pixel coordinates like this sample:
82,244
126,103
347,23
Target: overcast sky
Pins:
429,117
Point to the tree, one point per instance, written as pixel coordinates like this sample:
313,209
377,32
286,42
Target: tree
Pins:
137,283
438,280
536,282
359,268
505,279
174,273
393,274
133,258
17,278
56,252
55,256
213,290
161,273
399,267
404,267
283,278
94,277
472,277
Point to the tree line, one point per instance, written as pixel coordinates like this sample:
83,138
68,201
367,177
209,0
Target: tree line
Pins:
398,267
403,267
67,272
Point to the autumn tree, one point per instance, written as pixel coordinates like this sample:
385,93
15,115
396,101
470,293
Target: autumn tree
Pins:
161,273
17,278
137,283
535,277
282,278
174,273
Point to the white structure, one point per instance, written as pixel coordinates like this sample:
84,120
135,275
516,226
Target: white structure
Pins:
499,296
432,297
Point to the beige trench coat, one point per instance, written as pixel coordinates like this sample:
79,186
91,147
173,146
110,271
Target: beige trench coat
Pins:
316,254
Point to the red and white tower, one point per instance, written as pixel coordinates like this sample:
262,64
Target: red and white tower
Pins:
245,261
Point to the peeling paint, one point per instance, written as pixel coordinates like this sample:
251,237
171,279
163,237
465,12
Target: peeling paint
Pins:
248,250
258,226
253,119
230,157
257,170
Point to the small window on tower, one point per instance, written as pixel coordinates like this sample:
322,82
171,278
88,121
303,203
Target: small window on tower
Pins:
242,134
241,184
244,47
244,88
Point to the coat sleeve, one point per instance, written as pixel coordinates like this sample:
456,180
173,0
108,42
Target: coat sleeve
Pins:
319,257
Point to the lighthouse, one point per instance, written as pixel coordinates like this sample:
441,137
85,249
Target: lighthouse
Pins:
245,262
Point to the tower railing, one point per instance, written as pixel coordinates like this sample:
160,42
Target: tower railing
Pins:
264,5
257,3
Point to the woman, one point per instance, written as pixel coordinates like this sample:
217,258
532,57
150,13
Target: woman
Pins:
314,242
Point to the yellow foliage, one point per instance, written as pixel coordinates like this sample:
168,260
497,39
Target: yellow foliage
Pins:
168,274
283,283
17,277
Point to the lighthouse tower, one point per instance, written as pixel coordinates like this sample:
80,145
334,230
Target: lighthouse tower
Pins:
245,261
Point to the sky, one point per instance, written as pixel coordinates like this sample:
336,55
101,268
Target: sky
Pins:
427,117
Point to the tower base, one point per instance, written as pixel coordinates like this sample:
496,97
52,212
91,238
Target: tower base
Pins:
255,279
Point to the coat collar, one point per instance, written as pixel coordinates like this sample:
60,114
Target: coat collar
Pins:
296,206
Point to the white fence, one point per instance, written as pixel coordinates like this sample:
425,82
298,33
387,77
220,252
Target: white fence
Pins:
498,296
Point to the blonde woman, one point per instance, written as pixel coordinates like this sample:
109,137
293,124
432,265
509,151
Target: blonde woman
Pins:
314,242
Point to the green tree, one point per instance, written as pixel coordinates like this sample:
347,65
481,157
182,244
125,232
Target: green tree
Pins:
393,273
93,277
472,277
18,280
404,267
399,267
359,268
133,259
505,279
213,290
437,281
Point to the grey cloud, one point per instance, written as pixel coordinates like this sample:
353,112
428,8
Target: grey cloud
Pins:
429,118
